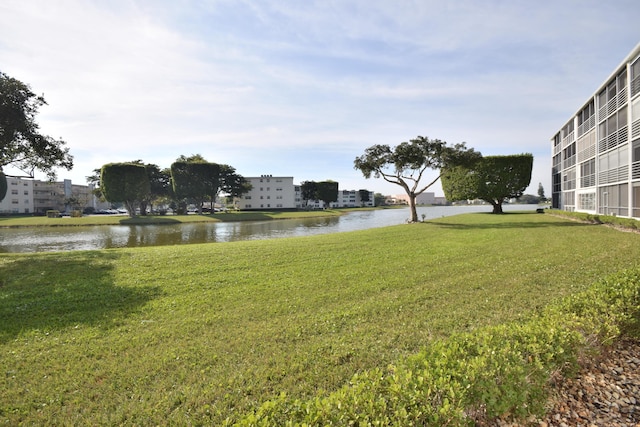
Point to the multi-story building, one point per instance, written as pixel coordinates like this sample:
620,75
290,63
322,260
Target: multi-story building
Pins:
19,197
354,199
279,192
63,196
596,154
346,199
269,192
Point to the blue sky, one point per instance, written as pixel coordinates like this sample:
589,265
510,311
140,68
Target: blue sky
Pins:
301,88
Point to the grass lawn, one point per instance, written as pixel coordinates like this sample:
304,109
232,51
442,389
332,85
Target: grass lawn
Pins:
200,333
40,221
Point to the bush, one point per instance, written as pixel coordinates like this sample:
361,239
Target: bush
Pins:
497,371
627,223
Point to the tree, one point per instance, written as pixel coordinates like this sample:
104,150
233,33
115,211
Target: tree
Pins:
364,197
3,186
159,186
405,164
541,192
125,182
195,180
327,191
309,191
21,144
231,183
379,199
492,179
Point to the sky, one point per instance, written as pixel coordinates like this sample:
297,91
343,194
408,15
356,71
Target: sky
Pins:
302,88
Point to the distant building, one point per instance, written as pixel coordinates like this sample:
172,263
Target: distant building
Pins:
279,192
346,199
19,197
422,199
269,192
596,154
63,196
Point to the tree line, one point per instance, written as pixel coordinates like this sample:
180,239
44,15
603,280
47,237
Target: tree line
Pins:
465,173
189,180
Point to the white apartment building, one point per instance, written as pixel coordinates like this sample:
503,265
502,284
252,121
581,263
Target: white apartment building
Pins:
19,197
279,192
596,154
64,196
269,192
346,199
28,196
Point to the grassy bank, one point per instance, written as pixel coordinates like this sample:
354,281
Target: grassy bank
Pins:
202,333
41,221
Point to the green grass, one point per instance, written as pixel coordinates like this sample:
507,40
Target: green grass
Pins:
201,333
40,221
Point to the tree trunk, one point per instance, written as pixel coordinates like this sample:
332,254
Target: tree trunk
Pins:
143,208
497,207
412,206
130,205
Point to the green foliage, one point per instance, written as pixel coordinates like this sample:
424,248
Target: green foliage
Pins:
364,196
124,182
232,183
327,191
405,164
616,221
21,144
309,190
492,179
3,185
195,181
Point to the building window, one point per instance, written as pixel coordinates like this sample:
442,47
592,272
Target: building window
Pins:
635,77
587,201
569,180
588,173
614,200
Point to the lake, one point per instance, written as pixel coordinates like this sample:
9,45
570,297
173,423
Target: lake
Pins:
46,239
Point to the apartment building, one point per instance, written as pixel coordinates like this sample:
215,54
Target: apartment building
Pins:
19,197
63,196
279,192
354,199
269,192
346,199
596,154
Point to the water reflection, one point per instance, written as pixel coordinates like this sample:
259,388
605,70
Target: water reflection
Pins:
103,237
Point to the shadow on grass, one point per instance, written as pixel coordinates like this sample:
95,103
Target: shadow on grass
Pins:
244,216
502,221
63,290
148,221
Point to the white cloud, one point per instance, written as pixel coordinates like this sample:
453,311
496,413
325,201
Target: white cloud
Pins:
272,86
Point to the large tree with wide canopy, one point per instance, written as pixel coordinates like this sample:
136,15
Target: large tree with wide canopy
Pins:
22,146
493,179
406,164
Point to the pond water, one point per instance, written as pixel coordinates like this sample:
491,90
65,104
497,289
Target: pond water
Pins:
45,239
